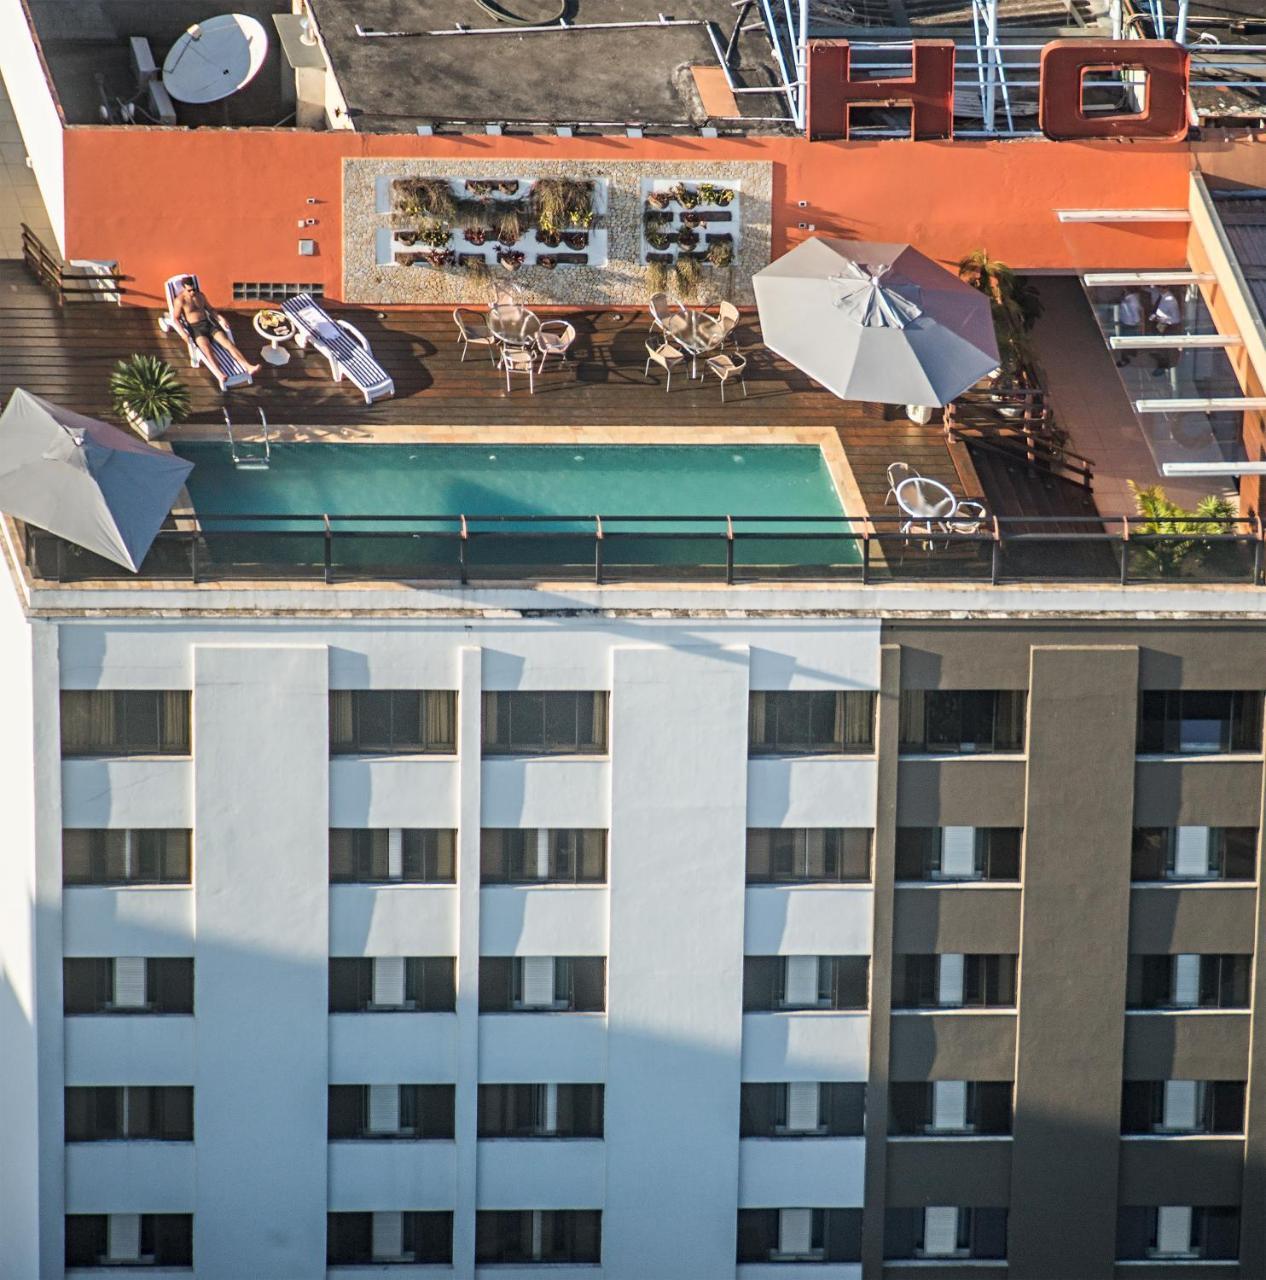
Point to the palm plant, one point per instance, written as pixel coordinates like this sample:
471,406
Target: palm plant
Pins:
1184,530
145,387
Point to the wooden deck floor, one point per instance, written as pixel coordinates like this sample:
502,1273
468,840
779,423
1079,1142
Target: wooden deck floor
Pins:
66,354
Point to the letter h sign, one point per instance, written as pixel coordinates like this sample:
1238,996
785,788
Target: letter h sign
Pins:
928,91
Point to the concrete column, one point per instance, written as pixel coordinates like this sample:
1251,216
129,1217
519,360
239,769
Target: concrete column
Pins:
675,976
1079,814
261,959
883,868
466,1099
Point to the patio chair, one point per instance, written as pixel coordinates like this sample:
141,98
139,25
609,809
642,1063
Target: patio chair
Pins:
967,518
473,332
554,338
519,360
343,346
897,472
724,322
226,369
727,367
670,318
666,356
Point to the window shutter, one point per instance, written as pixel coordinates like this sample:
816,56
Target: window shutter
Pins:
1187,981
949,980
129,982
395,853
801,984
1173,1230
802,1107
123,1237
795,1232
550,1109
384,1108
387,1235
1180,1104
389,980
538,981
1191,852
940,1231
542,853
949,1104
958,851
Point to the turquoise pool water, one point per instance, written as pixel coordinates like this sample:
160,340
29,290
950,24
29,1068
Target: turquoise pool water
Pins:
689,482
405,480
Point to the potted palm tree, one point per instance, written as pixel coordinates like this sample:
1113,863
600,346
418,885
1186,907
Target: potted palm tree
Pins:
148,394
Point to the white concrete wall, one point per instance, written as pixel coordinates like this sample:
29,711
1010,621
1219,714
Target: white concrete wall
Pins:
37,115
780,1173
261,961
675,920
24,811
115,1177
675,1024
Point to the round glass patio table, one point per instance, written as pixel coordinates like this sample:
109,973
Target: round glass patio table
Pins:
699,335
514,325
925,499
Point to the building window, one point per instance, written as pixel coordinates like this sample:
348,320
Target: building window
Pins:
808,855
393,984
393,722
155,1113
1186,722
362,1239
127,985
116,1239
556,855
1205,1233
410,855
801,1109
382,1111
538,1235
139,856
772,983
799,1235
545,724
949,981
811,723
962,721
542,984
933,1107
540,1110
1188,981
1182,1106
125,722
945,1231
954,854
1194,853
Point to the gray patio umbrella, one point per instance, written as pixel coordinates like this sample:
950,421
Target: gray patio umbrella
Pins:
876,321
83,480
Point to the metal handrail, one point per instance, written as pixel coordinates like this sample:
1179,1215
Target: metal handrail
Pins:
61,279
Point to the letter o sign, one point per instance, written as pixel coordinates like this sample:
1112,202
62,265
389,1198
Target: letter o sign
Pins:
1066,63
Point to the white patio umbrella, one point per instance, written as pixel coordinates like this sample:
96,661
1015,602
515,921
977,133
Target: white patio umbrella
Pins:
87,482
874,321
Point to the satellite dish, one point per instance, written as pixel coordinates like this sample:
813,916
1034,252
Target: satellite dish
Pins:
216,58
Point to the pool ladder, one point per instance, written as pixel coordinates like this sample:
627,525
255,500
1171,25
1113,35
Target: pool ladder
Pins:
249,461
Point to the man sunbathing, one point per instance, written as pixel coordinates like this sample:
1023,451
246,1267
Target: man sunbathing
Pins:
191,306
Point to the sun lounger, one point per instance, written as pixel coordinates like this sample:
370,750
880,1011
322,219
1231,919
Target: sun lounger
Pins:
343,345
225,368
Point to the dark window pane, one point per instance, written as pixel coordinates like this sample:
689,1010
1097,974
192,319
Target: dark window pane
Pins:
842,1235
589,983
349,1239
953,721
346,1112
496,992
843,1109
1199,721
430,983
806,723
1150,854
1237,847
1136,1232
351,984
87,985
543,723
762,982
757,1234
169,984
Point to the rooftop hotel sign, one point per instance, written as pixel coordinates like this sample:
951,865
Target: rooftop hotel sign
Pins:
1065,64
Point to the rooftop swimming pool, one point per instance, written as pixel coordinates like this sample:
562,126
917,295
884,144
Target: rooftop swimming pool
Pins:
422,511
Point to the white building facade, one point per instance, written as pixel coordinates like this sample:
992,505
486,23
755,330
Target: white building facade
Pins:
629,976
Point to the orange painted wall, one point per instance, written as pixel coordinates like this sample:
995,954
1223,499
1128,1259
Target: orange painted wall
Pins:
225,203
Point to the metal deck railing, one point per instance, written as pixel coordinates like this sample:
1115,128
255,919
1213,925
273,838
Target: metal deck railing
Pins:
322,548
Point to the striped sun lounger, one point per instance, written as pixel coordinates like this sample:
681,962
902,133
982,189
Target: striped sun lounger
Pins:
226,369
344,346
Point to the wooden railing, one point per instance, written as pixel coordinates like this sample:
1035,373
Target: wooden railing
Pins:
1019,425
66,282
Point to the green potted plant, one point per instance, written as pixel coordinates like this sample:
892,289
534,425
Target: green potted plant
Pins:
1187,550
721,253
148,394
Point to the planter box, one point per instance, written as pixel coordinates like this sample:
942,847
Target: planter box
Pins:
702,218
150,428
